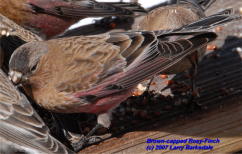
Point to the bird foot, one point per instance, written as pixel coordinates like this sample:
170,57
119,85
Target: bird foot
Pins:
72,137
85,141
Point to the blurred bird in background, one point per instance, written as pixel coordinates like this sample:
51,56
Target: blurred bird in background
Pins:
48,18
94,74
21,128
175,16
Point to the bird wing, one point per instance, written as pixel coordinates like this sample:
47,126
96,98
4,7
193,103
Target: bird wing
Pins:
151,57
159,55
20,124
154,54
91,8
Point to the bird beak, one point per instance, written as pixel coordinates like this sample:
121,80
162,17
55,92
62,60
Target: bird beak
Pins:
15,77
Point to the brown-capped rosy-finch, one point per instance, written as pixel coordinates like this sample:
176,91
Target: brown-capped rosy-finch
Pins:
21,128
48,18
94,74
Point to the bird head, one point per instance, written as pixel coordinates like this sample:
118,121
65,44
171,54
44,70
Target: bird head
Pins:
24,61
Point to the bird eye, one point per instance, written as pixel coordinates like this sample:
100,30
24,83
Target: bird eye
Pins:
33,68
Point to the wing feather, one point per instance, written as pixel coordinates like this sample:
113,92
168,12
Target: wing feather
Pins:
20,124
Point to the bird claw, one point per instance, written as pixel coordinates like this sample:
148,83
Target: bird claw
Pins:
94,139
77,146
84,141
72,137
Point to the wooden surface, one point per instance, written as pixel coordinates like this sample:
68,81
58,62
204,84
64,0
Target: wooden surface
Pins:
224,123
